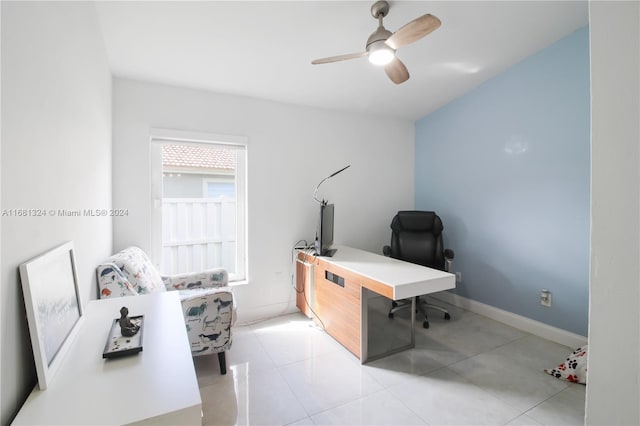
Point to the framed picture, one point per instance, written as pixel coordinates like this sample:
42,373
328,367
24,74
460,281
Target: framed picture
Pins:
53,305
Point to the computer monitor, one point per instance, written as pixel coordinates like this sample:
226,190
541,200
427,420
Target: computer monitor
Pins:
324,231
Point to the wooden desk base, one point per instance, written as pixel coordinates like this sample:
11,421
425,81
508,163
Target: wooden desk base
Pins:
339,308
338,297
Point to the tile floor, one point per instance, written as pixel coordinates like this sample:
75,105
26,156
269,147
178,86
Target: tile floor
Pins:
467,371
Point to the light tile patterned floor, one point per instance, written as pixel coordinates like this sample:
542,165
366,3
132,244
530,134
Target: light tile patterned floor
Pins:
467,371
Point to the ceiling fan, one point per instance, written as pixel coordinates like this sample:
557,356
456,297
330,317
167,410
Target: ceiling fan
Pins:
382,44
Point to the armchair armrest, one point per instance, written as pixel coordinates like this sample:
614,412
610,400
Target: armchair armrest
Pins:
448,260
218,277
209,315
112,282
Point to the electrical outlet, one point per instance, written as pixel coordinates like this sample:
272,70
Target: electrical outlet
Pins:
458,277
545,298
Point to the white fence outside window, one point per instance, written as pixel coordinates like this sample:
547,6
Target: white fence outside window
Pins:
198,234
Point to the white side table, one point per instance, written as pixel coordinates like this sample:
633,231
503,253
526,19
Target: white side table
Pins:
156,386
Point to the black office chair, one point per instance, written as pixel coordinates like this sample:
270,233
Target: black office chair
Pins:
416,237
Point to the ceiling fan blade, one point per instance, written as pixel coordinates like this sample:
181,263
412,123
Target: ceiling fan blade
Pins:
396,71
339,58
414,30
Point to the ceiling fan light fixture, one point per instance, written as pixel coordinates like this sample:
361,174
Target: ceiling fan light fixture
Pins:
382,44
380,53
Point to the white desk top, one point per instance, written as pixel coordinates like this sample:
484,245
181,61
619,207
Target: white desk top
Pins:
159,381
406,279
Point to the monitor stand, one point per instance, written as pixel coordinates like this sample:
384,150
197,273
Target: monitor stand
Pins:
329,253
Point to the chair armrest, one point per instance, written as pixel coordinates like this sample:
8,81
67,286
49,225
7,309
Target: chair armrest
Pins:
211,278
209,315
112,282
448,260
386,250
213,296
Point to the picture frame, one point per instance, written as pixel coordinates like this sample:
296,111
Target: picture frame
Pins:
53,305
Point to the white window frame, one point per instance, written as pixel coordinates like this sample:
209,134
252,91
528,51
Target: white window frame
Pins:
157,138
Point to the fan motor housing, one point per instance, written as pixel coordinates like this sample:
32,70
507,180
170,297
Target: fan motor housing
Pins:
381,34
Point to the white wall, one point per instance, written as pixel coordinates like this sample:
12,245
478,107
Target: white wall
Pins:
613,394
290,149
1,316
56,154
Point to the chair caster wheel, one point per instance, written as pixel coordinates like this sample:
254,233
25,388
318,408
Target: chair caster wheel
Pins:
391,315
447,316
425,324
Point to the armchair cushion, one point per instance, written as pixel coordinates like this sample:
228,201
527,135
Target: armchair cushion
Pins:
208,279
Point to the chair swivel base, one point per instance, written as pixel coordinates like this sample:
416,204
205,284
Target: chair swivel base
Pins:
420,307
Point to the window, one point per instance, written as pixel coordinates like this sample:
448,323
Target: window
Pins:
217,188
198,202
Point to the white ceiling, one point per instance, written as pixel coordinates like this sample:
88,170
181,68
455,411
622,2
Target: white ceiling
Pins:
264,49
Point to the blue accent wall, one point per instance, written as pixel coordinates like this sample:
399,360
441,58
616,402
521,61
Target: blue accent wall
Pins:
507,167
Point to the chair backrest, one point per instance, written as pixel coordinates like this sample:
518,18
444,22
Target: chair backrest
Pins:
128,273
416,237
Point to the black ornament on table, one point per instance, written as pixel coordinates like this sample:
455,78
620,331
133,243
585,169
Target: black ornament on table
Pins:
127,328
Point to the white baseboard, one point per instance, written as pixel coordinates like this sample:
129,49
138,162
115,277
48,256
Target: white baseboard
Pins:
529,325
248,316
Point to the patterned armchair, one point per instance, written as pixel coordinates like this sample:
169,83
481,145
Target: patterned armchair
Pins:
206,303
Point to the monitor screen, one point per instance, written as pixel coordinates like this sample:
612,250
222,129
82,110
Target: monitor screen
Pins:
324,232
327,226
